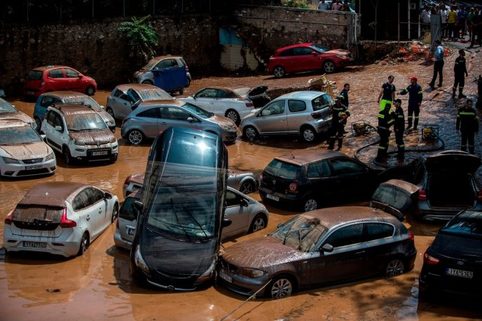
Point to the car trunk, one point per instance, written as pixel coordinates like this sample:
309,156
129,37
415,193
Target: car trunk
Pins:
39,221
396,197
278,176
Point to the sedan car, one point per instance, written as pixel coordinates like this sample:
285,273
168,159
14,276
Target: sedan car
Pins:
23,152
60,218
153,117
453,263
51,78
303,113
307,57
125,98
8,111
325,246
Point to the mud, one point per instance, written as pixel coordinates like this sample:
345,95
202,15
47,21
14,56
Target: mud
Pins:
97,286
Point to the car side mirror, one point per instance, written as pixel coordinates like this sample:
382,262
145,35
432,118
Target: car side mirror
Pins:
243,202
190,119
226,222
102,106
327,248
43,136
108,196
138,206
58,128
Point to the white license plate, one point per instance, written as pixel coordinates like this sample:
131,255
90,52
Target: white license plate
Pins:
33,167
130,230
100,153
38,245
460,273
225,277
272,197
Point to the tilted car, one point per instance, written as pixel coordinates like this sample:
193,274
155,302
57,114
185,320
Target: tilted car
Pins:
46,100
79,133
303,113
23,152
52,78
307,57
126,97
8,111
60,218
153,117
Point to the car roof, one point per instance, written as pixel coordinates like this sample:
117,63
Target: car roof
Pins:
298,45
73,109
217,88
51,193
304,94
64,94
308,156
43,68
135,86
7,123
166,56
161,103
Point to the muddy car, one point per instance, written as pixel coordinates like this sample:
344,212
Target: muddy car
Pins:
8,111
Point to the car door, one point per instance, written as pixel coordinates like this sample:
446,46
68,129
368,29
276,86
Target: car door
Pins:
307,59
320,181
172,116
73,80
128,218
44,102
150,121
95,209
206,98
81,205
168,75
351,179
54,130
272,118
380,245
297,115
56,80
237,211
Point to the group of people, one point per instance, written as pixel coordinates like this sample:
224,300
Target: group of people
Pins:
338,5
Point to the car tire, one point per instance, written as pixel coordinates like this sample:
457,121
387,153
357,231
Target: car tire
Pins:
135,137
147,82
115,212
68,160
248,186
329,66
394,267
90,91
259,222
280,287
250,133
279,72
84,243
110,111
234,116
38,124
310,204
308,134
113,158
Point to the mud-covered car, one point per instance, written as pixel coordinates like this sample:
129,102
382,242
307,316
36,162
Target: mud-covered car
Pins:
8,111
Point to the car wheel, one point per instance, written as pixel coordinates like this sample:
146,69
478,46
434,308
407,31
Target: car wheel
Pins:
279,72
110,111
90,91
113,158
308,134
310,205
259,222
68,160
280,287
135,137
329,66
147,82
84,243
38,124
247,187
115,212
234,116
394,267
250,133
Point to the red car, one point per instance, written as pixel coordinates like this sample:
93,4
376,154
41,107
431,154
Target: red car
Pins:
53,78
307,57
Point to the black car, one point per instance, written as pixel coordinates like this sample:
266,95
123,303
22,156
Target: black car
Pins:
453,262
178,232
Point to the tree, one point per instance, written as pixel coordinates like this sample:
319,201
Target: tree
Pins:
141,36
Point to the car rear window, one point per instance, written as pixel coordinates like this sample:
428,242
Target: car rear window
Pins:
457,245
465,225
320,102
34,75
33,213
128,211
282,169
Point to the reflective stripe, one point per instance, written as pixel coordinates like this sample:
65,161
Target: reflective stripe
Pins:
381,116
465,113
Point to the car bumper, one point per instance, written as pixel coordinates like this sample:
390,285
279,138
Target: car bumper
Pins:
239,284
427,212
121,242
25,170
435,282
278,199
97,153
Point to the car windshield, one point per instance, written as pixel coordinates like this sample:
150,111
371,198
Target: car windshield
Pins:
34,75
301,233
322,101
83,100
319,47
18,135
87,121
6,107
151,64
283,169
150,94
128,210
198,111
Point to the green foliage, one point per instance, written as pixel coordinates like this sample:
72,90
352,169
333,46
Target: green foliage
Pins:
295,3
141,37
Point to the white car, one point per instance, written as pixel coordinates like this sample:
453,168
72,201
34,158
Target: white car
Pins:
60,218
222,101
23,152
79,133
8,111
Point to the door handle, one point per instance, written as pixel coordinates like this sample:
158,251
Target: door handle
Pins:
88,218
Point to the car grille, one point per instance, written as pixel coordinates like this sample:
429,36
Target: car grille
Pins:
33,172
32,160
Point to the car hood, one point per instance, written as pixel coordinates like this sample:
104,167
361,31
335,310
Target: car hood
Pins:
18,115
94,137
252,114
453,160
223,121
27,151
260,253
339,52
107,118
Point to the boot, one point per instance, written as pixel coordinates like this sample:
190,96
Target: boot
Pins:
331,143
340,143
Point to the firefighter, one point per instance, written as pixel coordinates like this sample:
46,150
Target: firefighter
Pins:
468,124
339,114
387,94
344,94
460,71
384,122
399,128
415,97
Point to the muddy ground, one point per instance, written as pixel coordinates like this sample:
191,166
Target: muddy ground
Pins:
97,286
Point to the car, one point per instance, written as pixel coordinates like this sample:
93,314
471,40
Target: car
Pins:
449,185
324,246
68,97
126,97
245,182
258,95
453,262
178,233
222,101
170,73
311,178
307,57
79,133
303,113
52,78
245,213
61,218
23,152
153,117
8,111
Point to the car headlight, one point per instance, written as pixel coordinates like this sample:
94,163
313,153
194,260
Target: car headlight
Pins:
139,260
251,273
8,160
50,156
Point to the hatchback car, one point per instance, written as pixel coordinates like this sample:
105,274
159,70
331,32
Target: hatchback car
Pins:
59,218
319,247
79,133
23,152
453,263
68,97
449,185
8,111
153,117
52,78
304,113
307,57
125,98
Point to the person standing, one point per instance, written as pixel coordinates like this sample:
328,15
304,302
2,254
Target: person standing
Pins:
468,124
384,122
460,72
415,97
438,65
387,94
339,115
399,128
451,22
344,94
322,5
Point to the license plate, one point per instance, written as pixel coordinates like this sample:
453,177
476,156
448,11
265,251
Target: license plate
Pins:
33,167
460,273
130,230
272,197
100,153
38,245
225,277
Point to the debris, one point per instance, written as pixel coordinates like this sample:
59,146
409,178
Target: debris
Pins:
322,84
53,290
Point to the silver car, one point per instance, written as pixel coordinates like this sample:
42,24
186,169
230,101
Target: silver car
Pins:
153,117
125,98
8,111
305,113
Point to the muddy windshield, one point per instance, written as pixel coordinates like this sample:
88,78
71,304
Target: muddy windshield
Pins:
89,121
18,136
283,170
84,100
301,233
6,107
149,94
198,111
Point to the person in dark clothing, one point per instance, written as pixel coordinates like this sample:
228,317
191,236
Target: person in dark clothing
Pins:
438,65
468,124
387,94
399,127
460,71
344,94
339,114
384,122
415,97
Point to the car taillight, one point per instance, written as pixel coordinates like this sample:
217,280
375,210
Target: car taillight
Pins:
9,218
249,104
430,260
293,187
422,195
65,222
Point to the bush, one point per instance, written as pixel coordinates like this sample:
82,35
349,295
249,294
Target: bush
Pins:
295,3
